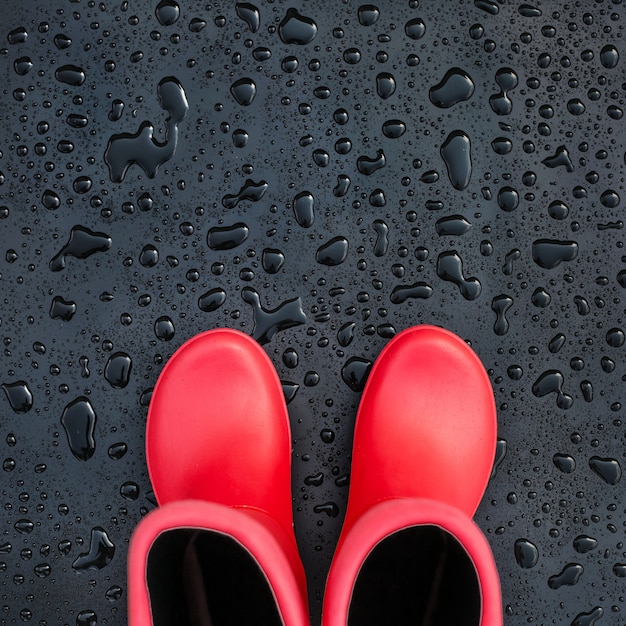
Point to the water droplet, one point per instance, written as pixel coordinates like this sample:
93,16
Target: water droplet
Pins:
609,56
385,85
289,390
240,138
249,14
564,462
227,237
377,198
82,243
70,75
355,372
576,106
502,145
610,199
415,28
167,12
212,300
117,450
164,328
541,298
22,66
18,35
333,252
558,210
296,28
101,552
61,309
394,129
352,56
500,102
551,381
19,396
584,543
79,421
291,358
456,154
117,108
559,158
314,481
508,199
269,322
244,91
452,226
368,165
117,370
329,508
526,553
62,41
609,470
456,86
569,576
24,526
197,24
304,209
149,255
345,334
450,268
419,290
488,6
87,618
368,14
549,253
588,619
500,305
124,150
528,10
250,191
129,490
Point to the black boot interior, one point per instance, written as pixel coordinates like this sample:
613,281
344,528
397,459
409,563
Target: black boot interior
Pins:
203,578
420,576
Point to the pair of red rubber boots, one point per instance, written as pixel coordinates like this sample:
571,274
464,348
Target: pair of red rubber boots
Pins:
220,550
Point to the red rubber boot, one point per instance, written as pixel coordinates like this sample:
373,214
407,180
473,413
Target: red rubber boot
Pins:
221,549
424,446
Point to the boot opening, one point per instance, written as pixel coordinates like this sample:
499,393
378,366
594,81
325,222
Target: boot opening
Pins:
420,576
203,578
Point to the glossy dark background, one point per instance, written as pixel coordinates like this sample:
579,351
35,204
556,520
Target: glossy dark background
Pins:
522,255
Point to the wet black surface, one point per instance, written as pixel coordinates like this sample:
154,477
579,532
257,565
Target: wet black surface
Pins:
320,176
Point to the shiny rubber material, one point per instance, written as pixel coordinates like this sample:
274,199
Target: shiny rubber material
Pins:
424,446
218,449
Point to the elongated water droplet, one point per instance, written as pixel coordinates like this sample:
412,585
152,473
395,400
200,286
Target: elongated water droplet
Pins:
19,396
100,554
456,86
296,28
456,154
79,421
333,252
117,370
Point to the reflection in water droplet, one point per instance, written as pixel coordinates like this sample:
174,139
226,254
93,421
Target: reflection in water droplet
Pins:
529,10
333,252
394,129
19,396
452,226
588,619
79,421
419,290
488,6
526,553
296,28
101,552
502,145
450,268
456,86
456,154
345,334
117,370
272,260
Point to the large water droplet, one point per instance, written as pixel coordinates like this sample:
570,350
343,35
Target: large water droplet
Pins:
249,14
415,28
456,86
304,209
249,191
456,154
609,56
355,372
452,226
82,243
385,85
227,237
164,328
61,309
19,396
333,252
551,381
419,290
609,470
394,129
450,268
79,421
117,370
167,12
369,165
526,553
101,552
297,29
368,14
549,253
569,575
244,91
70,75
